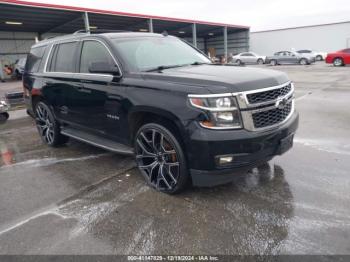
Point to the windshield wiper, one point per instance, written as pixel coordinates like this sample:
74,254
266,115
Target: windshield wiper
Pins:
160,68
199,63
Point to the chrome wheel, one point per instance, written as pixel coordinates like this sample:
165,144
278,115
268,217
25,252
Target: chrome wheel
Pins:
303,62
45,124
338,62
157,159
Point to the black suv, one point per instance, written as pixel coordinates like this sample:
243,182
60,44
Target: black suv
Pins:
158,98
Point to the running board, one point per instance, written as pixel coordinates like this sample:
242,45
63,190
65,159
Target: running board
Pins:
97,141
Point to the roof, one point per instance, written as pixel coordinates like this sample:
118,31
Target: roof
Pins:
84,35
42,18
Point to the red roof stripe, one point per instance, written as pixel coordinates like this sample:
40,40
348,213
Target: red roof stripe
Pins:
100,11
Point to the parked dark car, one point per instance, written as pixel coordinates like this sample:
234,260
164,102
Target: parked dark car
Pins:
289,57
158,98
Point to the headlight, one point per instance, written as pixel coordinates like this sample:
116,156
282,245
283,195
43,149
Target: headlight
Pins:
222,111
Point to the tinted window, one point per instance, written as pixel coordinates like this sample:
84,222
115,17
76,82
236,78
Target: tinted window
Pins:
93,52
62,58
246,54
34,59
304,51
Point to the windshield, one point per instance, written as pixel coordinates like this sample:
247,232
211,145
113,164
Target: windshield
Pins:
147,53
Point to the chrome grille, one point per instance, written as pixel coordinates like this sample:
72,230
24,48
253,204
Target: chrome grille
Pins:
271,117
266,108
269,95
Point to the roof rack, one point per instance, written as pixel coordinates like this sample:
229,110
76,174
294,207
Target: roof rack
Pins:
98,31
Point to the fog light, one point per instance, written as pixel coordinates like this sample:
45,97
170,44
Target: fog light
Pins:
224,160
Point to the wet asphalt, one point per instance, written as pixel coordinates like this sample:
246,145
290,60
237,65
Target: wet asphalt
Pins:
78,199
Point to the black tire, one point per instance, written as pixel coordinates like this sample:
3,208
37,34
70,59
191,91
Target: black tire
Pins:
3,117
303,61
48,127
338,61
160,158
273,62
319,58
239,62
260,61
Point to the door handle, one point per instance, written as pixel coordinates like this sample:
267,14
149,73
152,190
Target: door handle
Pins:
80,88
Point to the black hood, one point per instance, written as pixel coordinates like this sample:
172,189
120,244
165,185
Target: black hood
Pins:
221,79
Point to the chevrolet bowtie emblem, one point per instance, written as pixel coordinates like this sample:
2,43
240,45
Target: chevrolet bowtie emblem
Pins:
281,103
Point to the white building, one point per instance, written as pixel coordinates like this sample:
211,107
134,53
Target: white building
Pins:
326,37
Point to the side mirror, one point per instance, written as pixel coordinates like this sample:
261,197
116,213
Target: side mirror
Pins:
104,68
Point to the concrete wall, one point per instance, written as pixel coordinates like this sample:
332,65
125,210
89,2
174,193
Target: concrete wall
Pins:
325,38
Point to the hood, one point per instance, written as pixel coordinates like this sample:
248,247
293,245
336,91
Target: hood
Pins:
220,78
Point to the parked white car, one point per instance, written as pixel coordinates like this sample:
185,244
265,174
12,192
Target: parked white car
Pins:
248,58
320,56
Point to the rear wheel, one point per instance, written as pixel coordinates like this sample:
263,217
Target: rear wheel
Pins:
48,127
319,58
338,61
160,158
239,62
260,61
303,61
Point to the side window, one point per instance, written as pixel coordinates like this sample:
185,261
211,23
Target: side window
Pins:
63,58
92,52
34,59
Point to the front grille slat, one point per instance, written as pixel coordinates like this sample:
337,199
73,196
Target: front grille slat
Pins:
271,117
265,96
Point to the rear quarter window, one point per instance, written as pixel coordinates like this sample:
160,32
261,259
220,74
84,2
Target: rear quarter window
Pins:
63,58
34,59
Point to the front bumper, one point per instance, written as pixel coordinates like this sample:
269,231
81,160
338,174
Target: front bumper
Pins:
249,149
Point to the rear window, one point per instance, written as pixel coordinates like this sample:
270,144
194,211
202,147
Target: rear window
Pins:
63,58
34,59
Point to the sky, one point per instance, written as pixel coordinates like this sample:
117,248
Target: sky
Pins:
258,14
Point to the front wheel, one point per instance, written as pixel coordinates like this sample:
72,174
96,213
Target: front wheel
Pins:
319,58
273,62
3,117
338,62
48,127
160,158
239,62
260,61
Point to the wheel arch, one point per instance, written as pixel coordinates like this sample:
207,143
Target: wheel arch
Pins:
144,114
